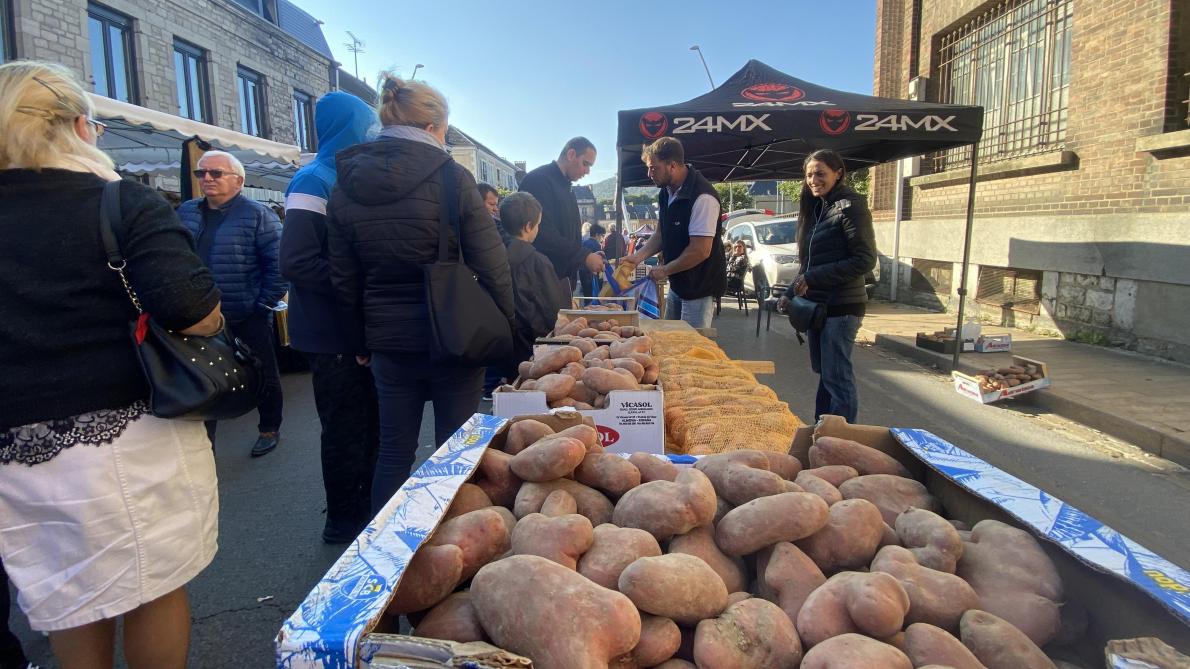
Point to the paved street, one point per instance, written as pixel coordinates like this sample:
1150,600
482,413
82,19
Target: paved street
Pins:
271,508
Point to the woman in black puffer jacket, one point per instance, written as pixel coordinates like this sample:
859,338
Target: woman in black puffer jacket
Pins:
837,247
382,228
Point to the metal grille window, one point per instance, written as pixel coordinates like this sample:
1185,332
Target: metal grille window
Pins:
931,276
1016,289
190,74
1014,60
303,121
250,86
111,53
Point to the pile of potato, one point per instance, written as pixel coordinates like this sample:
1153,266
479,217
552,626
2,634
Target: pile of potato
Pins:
579,559
995,380
566,329
581,373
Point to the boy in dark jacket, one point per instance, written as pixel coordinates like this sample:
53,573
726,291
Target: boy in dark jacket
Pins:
537,291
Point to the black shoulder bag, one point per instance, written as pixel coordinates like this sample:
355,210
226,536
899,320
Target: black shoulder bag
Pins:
190,377
806,314
466,326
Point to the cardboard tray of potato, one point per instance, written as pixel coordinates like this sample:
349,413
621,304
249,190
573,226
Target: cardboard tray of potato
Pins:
1023,376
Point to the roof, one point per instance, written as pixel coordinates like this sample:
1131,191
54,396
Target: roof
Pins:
640,212
763,188
456,137
305,28
583,193
357,87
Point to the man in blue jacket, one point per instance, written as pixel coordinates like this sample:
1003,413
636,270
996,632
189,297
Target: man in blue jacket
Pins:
344,392
238,239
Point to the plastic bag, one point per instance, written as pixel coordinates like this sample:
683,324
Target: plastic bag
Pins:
620,284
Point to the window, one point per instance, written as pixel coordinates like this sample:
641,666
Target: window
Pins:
485,171
190,73
263,8
4,34
303,121
1014,60
250,87
1016,289
931,276
111,53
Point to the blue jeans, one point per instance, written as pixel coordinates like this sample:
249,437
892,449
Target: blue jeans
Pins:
830,357
698,313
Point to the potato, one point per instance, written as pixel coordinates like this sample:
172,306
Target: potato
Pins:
469,497
507,516
453,619
653,468
431,575
783,464
573,370
520,596
481,535
637,369
659,640
600,353
853,651
752,634
664,509
680,587
932,539
865,459
562,539
998,644
549,458
525,433
935,597
587,332
872,604
591,503
1015,579
700,542
608,473
737,597
496,478
558,503
891,494
613,549
606,380
581,393
927,644
787,576
587,346
721,509
626,347
812,484
586,434
676,663
741,476
849,539
833,474
553,359
572,327
768,520
523,368
888,537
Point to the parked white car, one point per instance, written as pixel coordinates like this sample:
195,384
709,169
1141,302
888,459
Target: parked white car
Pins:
771,244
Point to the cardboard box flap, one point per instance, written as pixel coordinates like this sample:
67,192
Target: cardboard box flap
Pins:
1093,543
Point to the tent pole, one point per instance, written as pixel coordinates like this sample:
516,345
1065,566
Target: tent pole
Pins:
958,337
899,212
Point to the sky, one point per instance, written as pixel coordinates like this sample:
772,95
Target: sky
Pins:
522,77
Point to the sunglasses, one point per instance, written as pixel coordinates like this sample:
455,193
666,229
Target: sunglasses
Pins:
215,174
98,126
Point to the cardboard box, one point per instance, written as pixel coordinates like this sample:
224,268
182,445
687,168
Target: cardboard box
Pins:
968,386
626,302
1001,343
1128,590
634,420
628,317
941,344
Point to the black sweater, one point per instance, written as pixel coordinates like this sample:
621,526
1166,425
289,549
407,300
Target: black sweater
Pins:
64,316
560,237
837,246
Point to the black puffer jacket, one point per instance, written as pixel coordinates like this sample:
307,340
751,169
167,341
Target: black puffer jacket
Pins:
837,246
383,224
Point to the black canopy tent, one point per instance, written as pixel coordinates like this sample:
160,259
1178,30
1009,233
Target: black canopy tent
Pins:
762,123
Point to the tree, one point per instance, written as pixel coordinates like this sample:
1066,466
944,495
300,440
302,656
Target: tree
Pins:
790,190
640,198
859,180
734,195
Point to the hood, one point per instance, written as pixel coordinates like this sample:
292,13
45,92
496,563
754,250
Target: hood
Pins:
341,120
778,249
387,169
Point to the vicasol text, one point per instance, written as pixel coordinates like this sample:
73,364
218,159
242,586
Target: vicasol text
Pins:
685,125
898,122
636,405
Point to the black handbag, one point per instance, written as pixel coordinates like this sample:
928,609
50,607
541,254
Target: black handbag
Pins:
466,326
190,377
806,315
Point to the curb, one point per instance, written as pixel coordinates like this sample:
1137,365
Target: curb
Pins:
1172,447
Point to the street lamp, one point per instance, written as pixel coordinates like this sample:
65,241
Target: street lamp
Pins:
704,65
415,69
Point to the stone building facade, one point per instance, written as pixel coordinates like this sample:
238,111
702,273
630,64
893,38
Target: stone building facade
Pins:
1082,218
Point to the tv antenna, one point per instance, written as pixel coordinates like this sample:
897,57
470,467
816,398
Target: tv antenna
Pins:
356,47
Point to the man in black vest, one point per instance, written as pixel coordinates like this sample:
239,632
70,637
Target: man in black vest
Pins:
690,235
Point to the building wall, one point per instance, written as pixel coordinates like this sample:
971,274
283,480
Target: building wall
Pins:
1107,222
56,30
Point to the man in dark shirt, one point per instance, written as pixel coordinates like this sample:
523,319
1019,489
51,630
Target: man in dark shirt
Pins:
560,238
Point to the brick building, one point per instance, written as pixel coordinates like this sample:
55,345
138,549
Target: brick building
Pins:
1083,198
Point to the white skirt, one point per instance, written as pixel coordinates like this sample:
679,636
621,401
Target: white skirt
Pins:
96,531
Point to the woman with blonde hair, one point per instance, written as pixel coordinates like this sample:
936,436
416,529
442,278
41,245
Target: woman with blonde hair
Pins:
383,228
105,510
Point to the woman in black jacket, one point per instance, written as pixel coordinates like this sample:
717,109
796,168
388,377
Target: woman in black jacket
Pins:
838,247
382,229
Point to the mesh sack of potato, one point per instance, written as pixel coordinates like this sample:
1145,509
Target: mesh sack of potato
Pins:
705,380
771,432
678,418
723,367
695,397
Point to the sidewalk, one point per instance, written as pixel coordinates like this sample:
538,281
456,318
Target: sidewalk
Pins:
1142,400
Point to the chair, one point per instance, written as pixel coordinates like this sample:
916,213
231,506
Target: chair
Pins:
765,302
739,294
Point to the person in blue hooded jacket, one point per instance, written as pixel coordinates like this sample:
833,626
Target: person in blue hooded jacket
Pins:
344,391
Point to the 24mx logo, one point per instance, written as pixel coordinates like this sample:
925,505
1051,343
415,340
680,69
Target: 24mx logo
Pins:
686,125
902,122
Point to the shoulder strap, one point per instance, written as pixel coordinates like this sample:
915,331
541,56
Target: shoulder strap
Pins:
109,211
448,216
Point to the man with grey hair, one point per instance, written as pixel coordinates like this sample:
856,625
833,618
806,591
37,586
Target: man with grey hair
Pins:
239,239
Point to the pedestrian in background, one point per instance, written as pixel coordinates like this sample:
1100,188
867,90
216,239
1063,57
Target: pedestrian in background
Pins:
239,239
537,290
344,391
383,228
561,237
592,282
106,511
837,245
